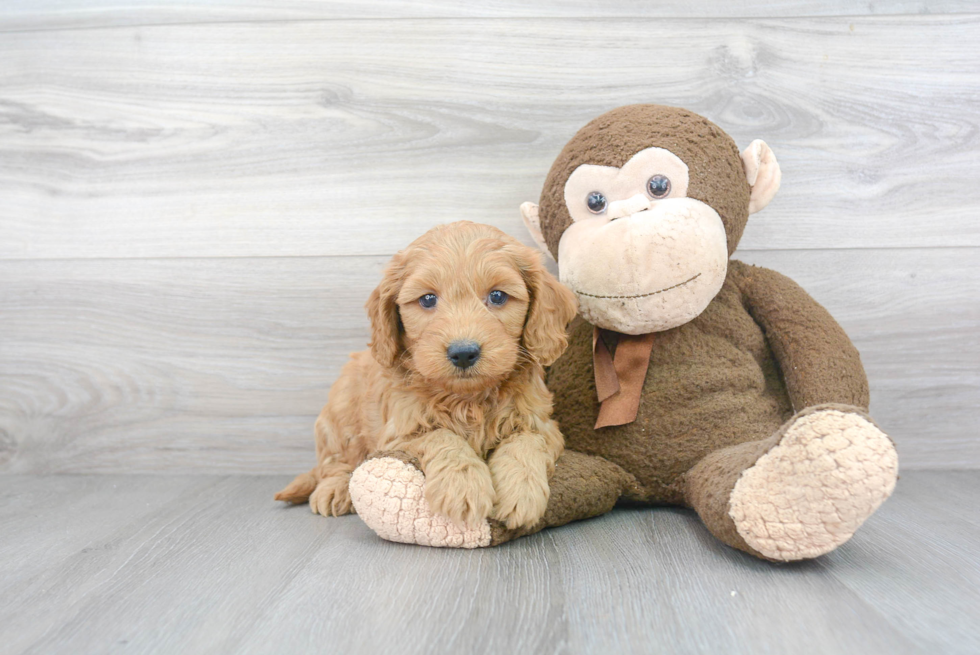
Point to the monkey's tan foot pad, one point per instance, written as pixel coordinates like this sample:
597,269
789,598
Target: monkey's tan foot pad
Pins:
807,495
388,494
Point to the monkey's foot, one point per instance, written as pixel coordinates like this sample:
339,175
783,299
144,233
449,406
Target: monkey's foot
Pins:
388,494
807,495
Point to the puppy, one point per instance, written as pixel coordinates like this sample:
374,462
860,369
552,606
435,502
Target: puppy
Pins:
463,323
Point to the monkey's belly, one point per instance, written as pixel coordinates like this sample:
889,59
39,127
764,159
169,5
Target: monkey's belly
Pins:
702,392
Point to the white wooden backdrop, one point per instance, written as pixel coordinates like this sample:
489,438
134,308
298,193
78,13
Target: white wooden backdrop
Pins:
197,198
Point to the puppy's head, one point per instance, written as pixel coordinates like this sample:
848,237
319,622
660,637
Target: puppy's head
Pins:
464,305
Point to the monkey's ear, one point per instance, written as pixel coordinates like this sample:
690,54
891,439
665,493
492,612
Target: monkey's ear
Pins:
529,212
762,172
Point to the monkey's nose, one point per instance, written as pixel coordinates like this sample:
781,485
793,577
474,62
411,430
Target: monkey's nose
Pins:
463,354
628,207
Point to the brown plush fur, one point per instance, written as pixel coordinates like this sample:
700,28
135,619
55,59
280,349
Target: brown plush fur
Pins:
712,383
483,435
719,389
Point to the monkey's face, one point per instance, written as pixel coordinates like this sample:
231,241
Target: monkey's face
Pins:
642,208
640,255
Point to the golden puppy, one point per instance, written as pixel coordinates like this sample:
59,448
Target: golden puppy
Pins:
463,323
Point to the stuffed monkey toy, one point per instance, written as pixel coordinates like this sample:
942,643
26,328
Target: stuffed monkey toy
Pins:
690,378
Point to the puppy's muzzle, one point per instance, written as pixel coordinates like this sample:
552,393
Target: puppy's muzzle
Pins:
463,354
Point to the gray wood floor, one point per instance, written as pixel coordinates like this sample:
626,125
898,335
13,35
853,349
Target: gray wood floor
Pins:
169,564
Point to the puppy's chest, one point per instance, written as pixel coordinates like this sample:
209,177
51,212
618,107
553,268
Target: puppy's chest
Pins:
481,427
481,423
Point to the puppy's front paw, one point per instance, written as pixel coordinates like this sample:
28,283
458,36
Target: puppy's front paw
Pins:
331,497
522,491
461,491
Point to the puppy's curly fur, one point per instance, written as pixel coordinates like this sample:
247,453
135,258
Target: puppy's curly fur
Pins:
483,434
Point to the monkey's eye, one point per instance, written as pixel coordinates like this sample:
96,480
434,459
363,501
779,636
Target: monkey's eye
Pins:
596,202
658,186
497,297
428,300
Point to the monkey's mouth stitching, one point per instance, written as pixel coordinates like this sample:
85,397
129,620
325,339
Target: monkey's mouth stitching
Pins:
642,295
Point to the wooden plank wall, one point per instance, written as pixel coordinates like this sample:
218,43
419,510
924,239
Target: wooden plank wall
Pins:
196,198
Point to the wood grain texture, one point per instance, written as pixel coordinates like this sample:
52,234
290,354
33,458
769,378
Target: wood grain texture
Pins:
76,14
216,566
221,365
166,358
937,509
44,523
352,137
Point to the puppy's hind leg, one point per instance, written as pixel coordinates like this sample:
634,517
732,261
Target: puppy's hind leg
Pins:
303,485
299,490
331,496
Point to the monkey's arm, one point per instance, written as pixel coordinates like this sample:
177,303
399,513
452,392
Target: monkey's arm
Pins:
818,361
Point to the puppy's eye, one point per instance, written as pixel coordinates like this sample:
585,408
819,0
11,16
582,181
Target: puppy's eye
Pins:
596,202
428,300
497,297
658,186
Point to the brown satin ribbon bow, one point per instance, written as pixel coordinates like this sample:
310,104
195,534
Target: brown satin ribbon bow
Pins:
619,381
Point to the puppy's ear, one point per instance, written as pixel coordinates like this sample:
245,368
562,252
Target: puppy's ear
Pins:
382,308
552,307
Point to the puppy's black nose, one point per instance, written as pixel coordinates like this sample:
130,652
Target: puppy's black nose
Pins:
463,354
